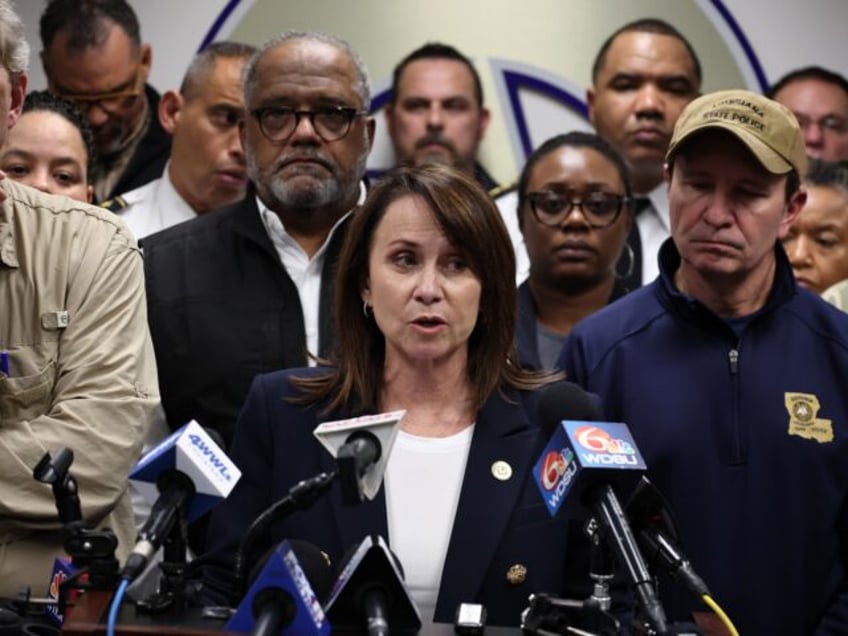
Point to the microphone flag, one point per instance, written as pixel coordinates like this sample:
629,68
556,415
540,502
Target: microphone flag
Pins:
586,452
384,426
283,581
192,451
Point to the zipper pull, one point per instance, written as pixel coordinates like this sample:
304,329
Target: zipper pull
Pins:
733,357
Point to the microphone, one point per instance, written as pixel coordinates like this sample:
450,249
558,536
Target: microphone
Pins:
370,593
190,474
361,446
301,496
585,462
656,531
285,597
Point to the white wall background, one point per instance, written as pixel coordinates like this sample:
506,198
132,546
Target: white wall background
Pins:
555,38
784,35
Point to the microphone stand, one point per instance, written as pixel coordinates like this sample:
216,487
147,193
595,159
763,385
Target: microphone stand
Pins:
92,552
601,569
616,531
549,615
172,585
301,496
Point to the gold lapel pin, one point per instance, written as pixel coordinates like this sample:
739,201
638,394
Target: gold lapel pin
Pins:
516,574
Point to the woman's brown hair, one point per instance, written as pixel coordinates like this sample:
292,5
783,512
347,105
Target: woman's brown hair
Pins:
472,223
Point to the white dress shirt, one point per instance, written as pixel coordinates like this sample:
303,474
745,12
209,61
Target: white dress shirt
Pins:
304,272
155,206
508,207
654,229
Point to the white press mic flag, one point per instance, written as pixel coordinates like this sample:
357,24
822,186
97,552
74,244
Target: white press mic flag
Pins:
192,451
384,426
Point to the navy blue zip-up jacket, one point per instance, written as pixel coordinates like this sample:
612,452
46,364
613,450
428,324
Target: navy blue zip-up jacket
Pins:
747,436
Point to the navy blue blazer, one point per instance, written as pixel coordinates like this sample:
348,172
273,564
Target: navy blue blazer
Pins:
498,524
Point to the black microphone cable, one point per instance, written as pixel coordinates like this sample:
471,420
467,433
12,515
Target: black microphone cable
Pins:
299,497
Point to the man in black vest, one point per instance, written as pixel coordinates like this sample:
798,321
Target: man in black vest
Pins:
247,289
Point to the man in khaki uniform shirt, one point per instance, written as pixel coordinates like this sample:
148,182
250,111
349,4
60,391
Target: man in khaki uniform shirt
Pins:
77,368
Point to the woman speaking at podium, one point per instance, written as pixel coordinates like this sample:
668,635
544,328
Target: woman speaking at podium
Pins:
425,305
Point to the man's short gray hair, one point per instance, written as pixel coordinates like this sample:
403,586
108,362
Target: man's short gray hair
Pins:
363,84
13,45
204,62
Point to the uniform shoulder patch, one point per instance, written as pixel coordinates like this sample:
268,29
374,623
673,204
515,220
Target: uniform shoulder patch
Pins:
502,190
115,204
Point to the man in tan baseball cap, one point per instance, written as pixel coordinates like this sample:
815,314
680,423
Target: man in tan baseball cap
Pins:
732,378
767,128
733,169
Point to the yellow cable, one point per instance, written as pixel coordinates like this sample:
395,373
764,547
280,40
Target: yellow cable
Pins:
720,613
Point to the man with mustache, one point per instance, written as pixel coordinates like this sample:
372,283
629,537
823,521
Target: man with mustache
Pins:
247,289
436,113
206,169
643,76
436,110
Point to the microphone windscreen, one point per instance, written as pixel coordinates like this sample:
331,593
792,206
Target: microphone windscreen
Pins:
565,401
314,563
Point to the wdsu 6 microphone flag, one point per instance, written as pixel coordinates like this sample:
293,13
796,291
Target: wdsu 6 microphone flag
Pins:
589,453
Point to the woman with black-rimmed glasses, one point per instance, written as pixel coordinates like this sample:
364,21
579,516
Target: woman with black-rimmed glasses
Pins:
574,210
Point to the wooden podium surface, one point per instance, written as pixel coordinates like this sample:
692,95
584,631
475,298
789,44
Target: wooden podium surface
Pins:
90,612
89,615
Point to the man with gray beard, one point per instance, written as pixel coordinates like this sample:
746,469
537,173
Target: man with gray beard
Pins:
247,289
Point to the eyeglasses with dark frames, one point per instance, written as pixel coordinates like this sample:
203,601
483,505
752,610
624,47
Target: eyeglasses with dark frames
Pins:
110,101
330,123
599,209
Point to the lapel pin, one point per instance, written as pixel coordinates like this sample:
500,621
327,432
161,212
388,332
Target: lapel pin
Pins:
516,574
501,470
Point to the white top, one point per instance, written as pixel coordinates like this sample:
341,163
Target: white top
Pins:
423,481
155,206
508,207
654,229
304,272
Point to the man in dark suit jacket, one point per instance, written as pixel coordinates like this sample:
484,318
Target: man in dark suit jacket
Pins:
247,289
94,56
